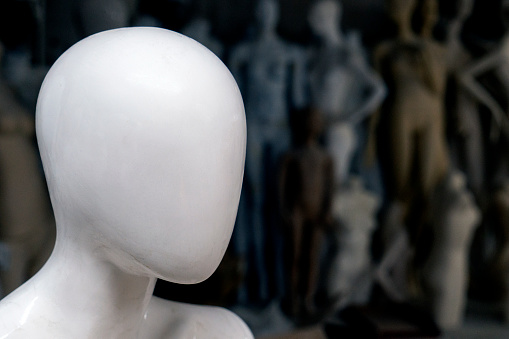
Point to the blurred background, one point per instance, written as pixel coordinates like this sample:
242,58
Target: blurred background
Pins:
376,195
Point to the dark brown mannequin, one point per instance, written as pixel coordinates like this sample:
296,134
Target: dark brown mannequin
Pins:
306,183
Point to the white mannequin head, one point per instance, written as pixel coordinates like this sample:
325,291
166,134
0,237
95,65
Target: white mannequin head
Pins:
143,149
324,18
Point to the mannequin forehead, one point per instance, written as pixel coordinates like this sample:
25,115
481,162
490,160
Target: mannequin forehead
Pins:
129,77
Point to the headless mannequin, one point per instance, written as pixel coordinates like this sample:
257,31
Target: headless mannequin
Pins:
339,81
262,67
142,136
305,193
348,280
445,273
26,228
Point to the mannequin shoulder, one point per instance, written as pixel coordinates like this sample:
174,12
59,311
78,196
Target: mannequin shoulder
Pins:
22,315
169,319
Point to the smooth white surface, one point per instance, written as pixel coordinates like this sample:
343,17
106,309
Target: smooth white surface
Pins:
142,135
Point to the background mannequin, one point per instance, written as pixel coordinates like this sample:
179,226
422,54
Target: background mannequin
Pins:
445,273
339,81
411,137
26,225
496,64
466,141
262,66
349,279
306,196
142,136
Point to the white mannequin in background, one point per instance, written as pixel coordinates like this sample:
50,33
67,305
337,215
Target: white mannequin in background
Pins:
265,68
349,279
142,137
342,84
445,274
467,140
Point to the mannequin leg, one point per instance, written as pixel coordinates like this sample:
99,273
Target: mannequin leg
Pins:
296,231
401,157
315,246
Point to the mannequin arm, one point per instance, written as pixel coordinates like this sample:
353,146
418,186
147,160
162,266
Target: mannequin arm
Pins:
371,149
467,79
377,92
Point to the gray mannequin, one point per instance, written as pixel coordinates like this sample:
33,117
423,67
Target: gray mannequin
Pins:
497,64
262,69
339,81
467,143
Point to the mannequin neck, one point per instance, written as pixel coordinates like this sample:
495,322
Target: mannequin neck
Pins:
267,35
405,32
454,30
92,294
332,38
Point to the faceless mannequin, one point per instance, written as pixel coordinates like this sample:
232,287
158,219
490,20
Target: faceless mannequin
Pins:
466,142
142,136
413,68
265,68
349,277
411,137
496,62
26,226
306,178
339,81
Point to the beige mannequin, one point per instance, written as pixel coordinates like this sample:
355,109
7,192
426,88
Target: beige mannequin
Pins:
306,182
411,132
26,227
411,139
